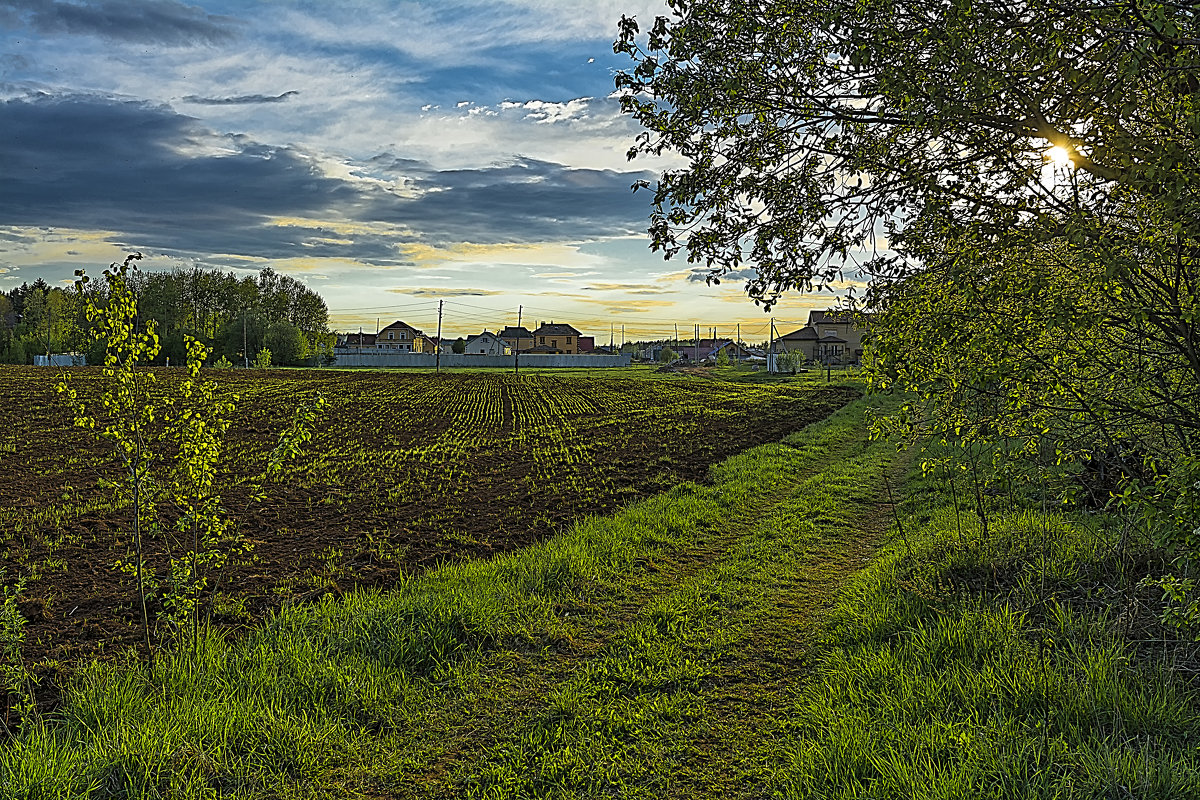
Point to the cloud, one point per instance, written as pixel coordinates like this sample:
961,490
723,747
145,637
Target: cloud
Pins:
543,112
702,274
627,288
524,201
168,184
240,100
444,291
630,306
155,21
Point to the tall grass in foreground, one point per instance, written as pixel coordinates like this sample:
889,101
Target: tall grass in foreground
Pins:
983,663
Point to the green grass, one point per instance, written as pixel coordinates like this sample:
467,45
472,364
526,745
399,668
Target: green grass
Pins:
742,638
990,665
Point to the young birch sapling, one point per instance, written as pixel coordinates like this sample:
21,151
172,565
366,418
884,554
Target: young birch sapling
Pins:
169,443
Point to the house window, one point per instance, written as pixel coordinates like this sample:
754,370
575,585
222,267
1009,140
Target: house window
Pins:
554,343
568,340
543,340
391,335
403,335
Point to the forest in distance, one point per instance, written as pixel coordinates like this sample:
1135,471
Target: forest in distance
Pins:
236,316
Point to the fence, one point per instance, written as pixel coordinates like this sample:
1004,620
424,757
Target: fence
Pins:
458,361
61,360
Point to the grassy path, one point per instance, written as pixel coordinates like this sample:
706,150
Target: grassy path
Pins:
673,680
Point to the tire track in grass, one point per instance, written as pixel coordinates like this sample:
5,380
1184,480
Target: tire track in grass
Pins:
669,680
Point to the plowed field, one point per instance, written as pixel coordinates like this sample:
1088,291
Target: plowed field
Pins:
404,471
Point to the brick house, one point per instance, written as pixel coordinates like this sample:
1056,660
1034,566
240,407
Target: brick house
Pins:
845,325
519,338
556,338
829,348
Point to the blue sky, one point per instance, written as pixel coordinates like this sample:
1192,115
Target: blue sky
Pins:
389,154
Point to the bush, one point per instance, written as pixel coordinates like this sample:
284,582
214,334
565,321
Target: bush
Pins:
790,361
286,343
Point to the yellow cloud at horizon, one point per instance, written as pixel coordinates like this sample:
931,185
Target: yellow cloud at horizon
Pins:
539,254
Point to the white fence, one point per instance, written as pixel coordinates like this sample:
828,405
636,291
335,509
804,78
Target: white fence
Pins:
61,360
457,361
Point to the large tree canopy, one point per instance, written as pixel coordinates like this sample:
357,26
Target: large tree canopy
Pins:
812,129
893,138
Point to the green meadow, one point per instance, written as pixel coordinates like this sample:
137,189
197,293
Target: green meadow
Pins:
816,620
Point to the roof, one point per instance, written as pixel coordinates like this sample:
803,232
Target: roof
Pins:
806,333
358,339
832,316
398,324
514,332
487,334
555,329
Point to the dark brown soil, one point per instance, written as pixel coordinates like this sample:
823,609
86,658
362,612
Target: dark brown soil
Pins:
404,471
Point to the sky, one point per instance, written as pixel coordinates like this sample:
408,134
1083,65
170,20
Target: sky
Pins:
389,154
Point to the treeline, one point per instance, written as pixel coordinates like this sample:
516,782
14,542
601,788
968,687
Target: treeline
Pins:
236,316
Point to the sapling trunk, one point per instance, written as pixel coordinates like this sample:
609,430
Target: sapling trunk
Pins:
139,455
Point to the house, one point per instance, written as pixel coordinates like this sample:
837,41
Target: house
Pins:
517,337
487,344
827,349
849,326
732,349
356,341
556,338
587,344
404,338
708,350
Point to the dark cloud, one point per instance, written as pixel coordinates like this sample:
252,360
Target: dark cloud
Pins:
165,184
527,201
97,164
11,62
240,100
159,21
444,292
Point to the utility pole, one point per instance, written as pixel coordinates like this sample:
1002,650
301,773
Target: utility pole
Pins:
437,353
676,334
696,347
610,337
771,365
622,335
517,346
246,353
